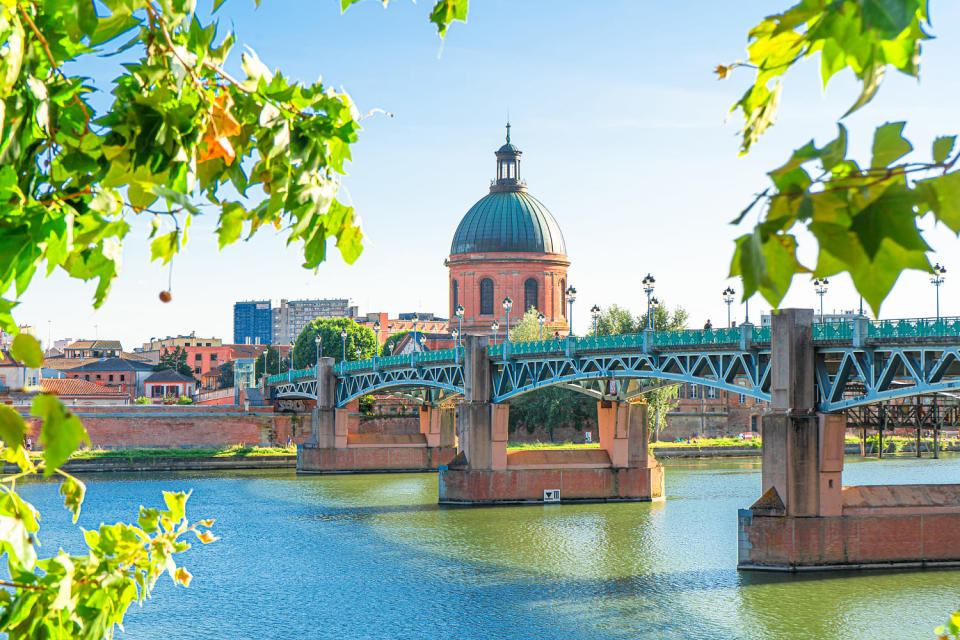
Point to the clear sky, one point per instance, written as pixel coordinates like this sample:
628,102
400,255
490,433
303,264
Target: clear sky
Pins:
625,138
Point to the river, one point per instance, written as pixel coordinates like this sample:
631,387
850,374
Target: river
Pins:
373,556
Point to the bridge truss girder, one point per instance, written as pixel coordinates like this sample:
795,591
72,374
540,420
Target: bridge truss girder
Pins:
719,369
884,373
444,379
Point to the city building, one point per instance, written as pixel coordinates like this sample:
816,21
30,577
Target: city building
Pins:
81,393
252,322
6,339
15,376
508,245
427,323
124,375
172,342
205,359
167,384
289,319
93,349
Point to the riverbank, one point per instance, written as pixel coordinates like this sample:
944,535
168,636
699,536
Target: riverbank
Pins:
194,459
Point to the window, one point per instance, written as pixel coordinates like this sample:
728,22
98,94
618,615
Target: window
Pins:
693,390
121,377
173,390
196,369
711,392
743,399
98,376
156,391
455,293
110,378
213,357
530,295
486,297
197,357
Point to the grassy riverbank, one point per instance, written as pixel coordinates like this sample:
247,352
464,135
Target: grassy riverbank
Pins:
699,442
233,451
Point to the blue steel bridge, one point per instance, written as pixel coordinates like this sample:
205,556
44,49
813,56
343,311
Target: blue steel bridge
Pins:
857,362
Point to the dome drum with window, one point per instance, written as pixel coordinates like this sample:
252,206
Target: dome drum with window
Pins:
508,245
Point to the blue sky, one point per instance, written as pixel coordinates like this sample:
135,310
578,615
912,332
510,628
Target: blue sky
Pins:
625,138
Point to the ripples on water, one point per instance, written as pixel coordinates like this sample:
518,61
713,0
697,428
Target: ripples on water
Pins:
373,556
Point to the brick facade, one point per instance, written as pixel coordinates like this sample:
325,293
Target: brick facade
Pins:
509,273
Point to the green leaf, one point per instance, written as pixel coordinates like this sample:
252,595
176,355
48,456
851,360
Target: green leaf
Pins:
12,427
346,3
176,505
890,216
766,264
943,198
26,349
872,79
889,145
61,432
890,17
165,246
73,492
446,11
231,223
175,197
942,147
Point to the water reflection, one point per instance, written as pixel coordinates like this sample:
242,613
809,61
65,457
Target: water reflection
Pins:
374,557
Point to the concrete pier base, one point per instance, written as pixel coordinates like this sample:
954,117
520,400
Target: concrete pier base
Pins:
881,527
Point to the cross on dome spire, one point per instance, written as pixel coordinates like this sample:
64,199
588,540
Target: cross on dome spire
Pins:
508,131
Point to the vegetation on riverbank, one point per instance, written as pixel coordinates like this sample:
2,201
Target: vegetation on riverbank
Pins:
699,442
233,451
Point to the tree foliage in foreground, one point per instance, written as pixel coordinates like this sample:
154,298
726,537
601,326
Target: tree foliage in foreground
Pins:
863,215
77,596
179,131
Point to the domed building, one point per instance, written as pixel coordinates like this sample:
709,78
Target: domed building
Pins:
507,245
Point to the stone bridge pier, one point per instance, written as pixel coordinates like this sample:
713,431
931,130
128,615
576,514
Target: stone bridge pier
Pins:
805,518
484,472
337,446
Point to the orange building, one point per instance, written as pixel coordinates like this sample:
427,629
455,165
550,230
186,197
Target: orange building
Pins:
508,245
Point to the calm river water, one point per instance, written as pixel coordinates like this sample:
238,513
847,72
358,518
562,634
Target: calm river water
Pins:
373,556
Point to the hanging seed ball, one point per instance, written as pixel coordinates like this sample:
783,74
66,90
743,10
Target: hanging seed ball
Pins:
165,296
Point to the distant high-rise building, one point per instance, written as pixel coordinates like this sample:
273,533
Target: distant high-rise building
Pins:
252,322
292,316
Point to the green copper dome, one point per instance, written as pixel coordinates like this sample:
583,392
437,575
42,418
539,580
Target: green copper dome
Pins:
506,222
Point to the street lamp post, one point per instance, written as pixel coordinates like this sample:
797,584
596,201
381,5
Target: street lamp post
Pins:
456,336
343,340
495,326
654,303
648,285
821,286
541,320
937,280
595,313
416,319
376,328
459,312
728,296
571,296
318,341
507,305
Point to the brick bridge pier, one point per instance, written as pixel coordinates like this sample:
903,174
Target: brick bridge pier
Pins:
336,446
484,472
806,519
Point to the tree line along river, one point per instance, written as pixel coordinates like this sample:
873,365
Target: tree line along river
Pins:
373,556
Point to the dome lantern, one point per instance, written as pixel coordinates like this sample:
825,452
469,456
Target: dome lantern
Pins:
508,167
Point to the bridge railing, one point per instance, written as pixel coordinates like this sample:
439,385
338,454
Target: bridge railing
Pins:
386,362
296,374
915,328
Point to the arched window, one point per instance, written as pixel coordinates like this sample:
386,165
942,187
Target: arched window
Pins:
486,297
530,295
455,291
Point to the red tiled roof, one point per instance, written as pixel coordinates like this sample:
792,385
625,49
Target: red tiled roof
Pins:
77,387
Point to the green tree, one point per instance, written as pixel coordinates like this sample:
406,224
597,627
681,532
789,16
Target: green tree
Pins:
390,344
863,216
528,328
271,359
176,360
305,348
615,320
